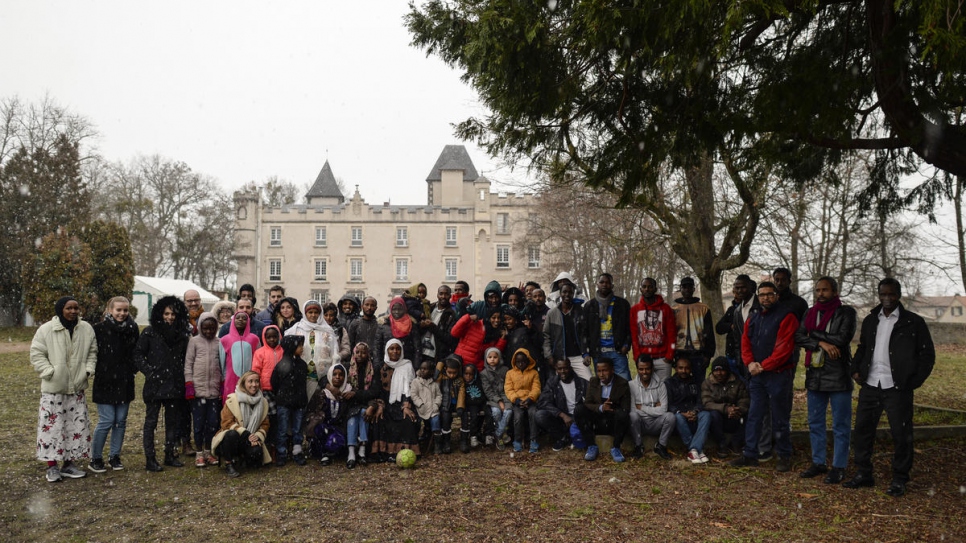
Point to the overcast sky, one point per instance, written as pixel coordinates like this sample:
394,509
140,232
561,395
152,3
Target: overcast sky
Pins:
244,90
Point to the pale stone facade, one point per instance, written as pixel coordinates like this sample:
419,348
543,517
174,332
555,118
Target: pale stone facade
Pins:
330,246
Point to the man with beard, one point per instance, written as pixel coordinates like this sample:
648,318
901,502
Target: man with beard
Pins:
437,343
559,399
607,316
695,339
275,295
654,330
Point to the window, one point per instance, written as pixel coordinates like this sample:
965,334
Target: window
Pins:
275,269
320,236
321,269
402,269
956,311
275,239
451,236
402,236
502,223
450,269
533,256
321,296
355,269
357,236
502,256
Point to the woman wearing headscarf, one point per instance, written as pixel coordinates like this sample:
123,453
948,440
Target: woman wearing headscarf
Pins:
160,357
321,343
394,425
360,377
325,417
64,353
244,425
399,325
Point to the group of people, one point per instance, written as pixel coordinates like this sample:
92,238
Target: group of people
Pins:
325,380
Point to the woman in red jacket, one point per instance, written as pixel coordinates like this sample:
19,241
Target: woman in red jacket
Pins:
476,335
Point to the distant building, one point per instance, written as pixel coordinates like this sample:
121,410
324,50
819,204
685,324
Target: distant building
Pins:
331,246
938,308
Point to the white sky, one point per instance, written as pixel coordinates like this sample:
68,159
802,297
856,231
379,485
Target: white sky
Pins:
244,90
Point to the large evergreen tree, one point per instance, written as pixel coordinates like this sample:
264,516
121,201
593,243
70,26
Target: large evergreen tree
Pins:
112,263
61,266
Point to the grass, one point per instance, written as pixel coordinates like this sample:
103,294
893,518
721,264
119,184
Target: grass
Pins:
482,496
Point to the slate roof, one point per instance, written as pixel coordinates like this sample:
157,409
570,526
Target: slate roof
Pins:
325,185
454,157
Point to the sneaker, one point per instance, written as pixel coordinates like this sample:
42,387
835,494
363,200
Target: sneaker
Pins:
325,460
231,471
53,475
211,459
500,445
765,457
744,462
97,465
70,470
115,462
592,452
694,456
561,444
616,454
474,442
813,470
703,457
517,446
661,450
784,464
490,440
638,452
534,446
200,460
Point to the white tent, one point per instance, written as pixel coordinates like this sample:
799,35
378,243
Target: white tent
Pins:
147,291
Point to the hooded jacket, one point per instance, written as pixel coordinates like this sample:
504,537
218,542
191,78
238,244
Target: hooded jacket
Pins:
161,361
523,385
202,363
554,333
279,320
479,307
265,358
346,319
62,359
470,335
494,381
287,378
653,329
237,352
115,373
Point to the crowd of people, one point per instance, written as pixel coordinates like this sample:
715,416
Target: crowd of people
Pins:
340,381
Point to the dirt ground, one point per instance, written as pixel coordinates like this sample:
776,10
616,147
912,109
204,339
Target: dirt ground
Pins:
482,496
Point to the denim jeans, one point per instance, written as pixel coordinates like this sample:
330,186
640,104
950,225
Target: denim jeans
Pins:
721,425
620,363
433,423
356,430
770,389
693,434
500,418
841,426
207,414
110,416
289,418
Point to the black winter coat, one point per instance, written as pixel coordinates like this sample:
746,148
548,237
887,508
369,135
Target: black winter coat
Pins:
553,399
620,319
412,345
288,382
115,370
162,365
833,375
911,351
520,337
682,396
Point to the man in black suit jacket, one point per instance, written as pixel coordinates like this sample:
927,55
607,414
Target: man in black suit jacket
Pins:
606,408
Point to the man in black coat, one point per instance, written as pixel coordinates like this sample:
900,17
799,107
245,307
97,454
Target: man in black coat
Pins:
558,401
608,326
895,356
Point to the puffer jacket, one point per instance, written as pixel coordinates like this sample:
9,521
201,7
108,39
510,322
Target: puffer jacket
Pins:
833,375
202,364
64,360
471,335
162,364
114,383
523,385
733,392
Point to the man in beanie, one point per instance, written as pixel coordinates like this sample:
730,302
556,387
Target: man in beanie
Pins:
726,398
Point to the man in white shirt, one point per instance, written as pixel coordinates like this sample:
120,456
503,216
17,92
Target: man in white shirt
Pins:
895,356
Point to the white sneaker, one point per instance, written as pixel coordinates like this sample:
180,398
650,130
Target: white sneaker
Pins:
489,441
694,456
704,459
53,475
474,442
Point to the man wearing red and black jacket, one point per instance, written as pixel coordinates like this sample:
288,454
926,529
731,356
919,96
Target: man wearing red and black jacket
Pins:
653,329
767,346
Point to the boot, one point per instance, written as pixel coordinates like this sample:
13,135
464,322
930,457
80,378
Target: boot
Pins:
170,459
438,440
151,464
447,439
187,449
464,442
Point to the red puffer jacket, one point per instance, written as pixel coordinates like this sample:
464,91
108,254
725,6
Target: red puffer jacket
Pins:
470,335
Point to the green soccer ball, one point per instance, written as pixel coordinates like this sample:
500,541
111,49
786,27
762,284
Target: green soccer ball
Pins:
406,458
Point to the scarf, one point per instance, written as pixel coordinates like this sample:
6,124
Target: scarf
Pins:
827,310
334,403
353,377
59,310
401,377
401,327
604,303
319,340
252,408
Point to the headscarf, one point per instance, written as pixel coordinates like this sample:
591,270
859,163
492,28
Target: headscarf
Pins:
353,377
400,327
234,335
402,376
252,407
205,315
59,311
334,403
492,334
321,342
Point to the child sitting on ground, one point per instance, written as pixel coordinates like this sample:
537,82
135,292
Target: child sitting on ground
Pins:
494,377
288,384
427,398
523,389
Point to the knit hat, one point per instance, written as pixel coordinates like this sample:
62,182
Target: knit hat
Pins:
720,363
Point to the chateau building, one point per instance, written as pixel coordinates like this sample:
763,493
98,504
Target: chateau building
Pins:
331,246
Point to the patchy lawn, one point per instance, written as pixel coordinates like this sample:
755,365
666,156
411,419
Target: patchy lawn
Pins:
482,496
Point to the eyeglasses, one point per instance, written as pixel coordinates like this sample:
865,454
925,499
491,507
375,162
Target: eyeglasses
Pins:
193,301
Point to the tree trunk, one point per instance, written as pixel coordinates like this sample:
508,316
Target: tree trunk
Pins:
960,242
